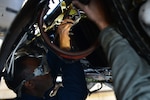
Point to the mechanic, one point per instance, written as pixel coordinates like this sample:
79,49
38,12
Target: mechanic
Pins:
131,73
34,80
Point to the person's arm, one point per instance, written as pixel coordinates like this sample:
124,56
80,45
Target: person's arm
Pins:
131,74
73,78
74,84
63,31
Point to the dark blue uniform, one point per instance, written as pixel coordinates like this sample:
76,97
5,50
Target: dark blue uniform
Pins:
73,79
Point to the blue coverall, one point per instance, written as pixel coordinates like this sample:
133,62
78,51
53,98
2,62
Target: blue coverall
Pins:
73,80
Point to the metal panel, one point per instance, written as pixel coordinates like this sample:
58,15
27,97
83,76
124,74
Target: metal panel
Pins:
8,11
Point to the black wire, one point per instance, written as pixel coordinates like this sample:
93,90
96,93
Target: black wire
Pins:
2,74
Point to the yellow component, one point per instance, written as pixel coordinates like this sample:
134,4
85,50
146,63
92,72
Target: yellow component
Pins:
73,12
63,6
63,3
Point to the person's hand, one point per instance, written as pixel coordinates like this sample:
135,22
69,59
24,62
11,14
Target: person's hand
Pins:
63,31
96,11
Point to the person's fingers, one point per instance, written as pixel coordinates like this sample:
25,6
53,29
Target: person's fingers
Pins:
64,38
66,24
64,29
69,20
